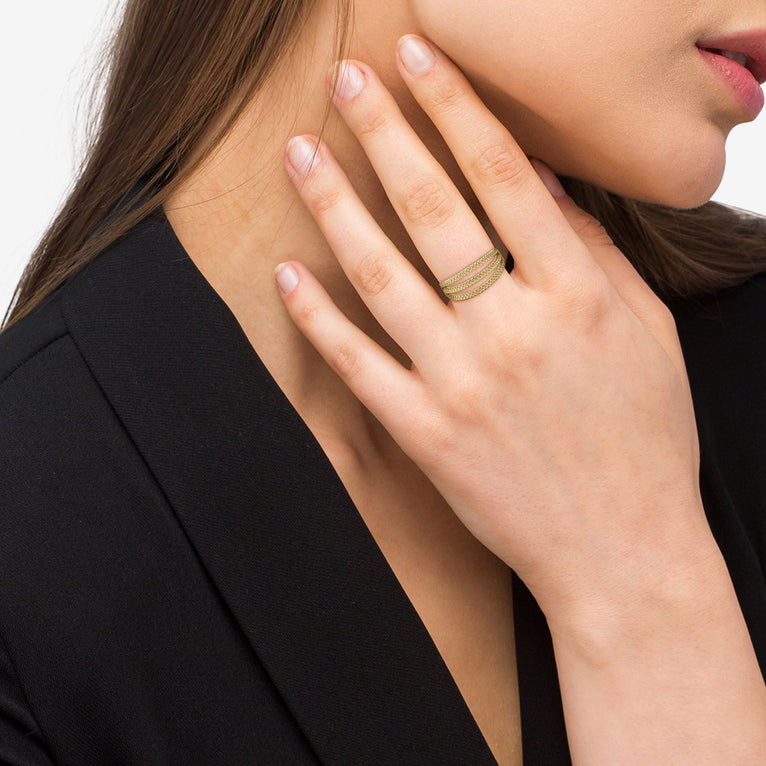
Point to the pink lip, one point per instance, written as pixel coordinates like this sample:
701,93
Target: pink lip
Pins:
752,44
744,80
746,88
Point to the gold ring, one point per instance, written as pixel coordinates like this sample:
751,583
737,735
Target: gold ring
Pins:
483,273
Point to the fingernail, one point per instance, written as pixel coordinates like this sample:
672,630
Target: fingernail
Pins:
287,278
301,154
548,177
416,55
347,81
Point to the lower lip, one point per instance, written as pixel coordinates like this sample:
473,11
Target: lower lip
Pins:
746,88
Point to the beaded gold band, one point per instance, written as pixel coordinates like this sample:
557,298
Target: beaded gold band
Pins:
483,273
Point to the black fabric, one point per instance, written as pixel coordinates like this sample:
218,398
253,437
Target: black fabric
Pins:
183,577
724,342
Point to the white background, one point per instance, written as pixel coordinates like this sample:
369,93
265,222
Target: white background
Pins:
47,50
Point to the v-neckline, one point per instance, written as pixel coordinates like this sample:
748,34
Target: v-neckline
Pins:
274,526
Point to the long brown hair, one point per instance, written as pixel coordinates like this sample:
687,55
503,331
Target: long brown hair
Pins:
178,74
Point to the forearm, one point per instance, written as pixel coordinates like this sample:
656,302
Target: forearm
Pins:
671,679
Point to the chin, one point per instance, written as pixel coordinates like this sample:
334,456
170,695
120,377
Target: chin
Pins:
686,181
688,197
692,190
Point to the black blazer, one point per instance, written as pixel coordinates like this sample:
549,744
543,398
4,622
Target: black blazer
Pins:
183,578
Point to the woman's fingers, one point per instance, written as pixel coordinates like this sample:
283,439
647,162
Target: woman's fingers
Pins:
528,220
386,388
633,290
399,298
439,221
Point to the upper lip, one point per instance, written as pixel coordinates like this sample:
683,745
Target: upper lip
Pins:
752,44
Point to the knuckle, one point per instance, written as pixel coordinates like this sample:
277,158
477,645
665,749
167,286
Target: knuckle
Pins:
446,95
428,204
529,358
576,287
590,230
460,394
345,361
323,199
372,122
306,315
467,392
500,346
374,273
590,300
501,164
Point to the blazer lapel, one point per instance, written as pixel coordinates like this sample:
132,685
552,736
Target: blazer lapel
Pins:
265,511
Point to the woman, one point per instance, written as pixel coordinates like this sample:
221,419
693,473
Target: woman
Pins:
214,552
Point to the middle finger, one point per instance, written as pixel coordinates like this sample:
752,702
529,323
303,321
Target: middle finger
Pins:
439,221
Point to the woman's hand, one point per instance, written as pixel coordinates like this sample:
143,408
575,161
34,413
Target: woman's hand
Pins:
552,411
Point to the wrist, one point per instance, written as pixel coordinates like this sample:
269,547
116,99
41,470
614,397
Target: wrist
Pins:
652,596
670,670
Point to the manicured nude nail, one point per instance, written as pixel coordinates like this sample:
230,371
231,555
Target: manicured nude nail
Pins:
416,55
548,177
287,278
301,155
348,81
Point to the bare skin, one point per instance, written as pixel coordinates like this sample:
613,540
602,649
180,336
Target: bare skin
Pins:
239,216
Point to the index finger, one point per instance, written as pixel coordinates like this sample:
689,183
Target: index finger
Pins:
526,217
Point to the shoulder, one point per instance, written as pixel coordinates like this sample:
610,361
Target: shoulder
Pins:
42,377
44,384
30,336
65,453
46,417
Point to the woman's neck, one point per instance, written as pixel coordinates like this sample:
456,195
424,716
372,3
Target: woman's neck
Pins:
238,216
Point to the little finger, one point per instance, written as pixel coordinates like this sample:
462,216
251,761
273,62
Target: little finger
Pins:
628,283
